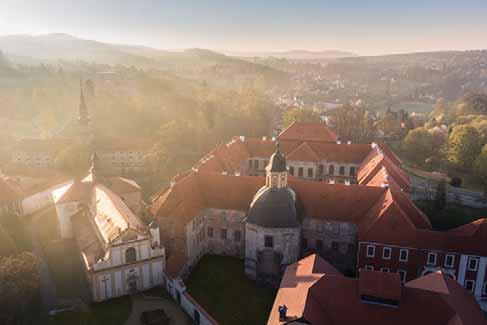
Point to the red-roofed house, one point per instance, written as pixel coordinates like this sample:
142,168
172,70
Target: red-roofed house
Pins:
313,292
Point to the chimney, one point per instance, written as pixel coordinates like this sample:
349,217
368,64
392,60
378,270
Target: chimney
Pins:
347,182
282,313
339,142
373,145
242,138
332,181
349,142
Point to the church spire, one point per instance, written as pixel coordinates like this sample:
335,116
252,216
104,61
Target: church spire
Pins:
83,116
95,167
276,170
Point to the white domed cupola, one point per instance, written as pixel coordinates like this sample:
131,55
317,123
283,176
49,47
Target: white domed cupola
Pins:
276,170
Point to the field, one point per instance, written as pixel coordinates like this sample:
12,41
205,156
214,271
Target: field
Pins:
219,284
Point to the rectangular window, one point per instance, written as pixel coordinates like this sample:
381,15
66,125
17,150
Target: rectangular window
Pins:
369,267
470,285
250,163
319,245
370,251
300,171
237,235
449,260
304,243
321,168
484,289
403,255
223,233
386,253
402,274
342,170
432,258
269,241
210,232
256,164
352,171
334,245
291,171
384,269
310,172
473,264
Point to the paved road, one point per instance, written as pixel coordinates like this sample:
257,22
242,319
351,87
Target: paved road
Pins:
141,304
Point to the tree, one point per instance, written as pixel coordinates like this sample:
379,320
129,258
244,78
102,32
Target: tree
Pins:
463,146
418,145
299,115
19,286
480,168
440,197
75,160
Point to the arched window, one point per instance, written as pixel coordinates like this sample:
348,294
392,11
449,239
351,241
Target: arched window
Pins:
130,255
331,170
342,170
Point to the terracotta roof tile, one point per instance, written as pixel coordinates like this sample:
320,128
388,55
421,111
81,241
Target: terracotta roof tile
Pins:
303,131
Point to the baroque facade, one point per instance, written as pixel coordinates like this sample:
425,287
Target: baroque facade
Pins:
120,254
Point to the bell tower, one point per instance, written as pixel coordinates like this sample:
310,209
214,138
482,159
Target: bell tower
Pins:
276,170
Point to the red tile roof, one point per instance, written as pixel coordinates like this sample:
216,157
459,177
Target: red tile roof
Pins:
304,131
335,299
379,284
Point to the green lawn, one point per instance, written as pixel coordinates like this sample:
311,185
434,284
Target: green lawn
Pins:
451,216
112,312
219,284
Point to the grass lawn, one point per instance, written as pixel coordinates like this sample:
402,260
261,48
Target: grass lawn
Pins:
112,312
219,284
451,216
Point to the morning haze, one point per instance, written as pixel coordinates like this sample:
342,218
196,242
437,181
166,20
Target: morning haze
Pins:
243,162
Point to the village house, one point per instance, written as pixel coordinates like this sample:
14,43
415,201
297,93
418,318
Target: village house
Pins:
312,291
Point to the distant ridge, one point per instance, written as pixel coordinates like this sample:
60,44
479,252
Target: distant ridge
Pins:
296,54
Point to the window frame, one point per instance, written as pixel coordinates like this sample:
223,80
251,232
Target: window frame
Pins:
473,285
400,255
367,251
291,170
385,269
223,233
266,241
300,171
369,267
237,236
319,245
428,258
341,171
452,264
388,249
476,259
402,275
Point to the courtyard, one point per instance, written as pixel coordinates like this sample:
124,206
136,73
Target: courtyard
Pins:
219,284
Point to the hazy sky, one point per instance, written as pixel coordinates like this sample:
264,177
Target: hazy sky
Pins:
362,26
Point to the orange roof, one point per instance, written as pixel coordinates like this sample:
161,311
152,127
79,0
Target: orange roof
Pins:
379,284
308,131
303,153
329,298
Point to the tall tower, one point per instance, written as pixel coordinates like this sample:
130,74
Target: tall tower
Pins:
83,116
83,122
272,226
